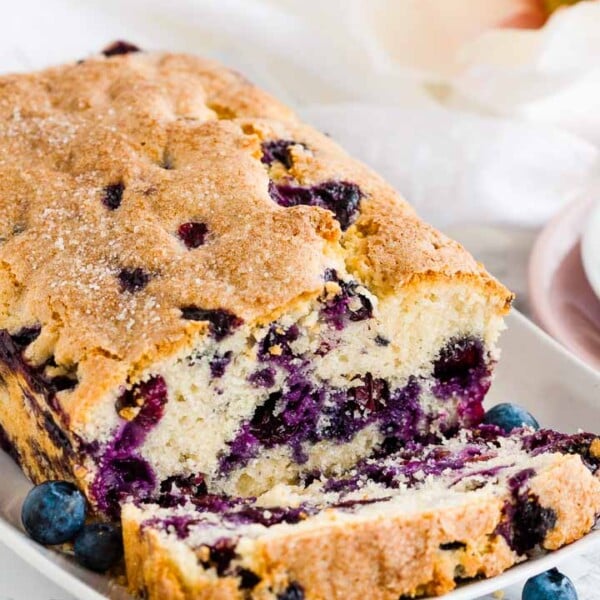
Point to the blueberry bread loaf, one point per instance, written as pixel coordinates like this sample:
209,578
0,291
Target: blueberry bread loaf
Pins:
412,523
195,284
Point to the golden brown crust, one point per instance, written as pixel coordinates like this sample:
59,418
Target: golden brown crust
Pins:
566,489
389,557
68,132
31,434
153,573
382,558
389,244
376,559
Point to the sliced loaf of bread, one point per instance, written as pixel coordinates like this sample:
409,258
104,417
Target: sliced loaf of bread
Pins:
194,282
413,523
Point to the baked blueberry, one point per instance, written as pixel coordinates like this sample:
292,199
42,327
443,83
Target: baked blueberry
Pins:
248,579
293,592
219,363
551,585
342,198
99,546
458,359
53,512
263,378
133,280
113,195
277,150
26,335
119,47
222,552
222,322
381,340
509,416
347,305
192,234
531,522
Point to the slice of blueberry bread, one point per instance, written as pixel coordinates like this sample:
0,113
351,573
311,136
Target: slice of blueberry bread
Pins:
413,523
193,283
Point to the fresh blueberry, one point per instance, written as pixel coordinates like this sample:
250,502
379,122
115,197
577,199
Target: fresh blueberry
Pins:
509,416
551,585
99,546
53,512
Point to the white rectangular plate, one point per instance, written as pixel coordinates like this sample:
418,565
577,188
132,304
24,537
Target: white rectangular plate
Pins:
534,371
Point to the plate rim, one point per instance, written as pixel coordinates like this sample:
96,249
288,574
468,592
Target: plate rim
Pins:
553,342
538,279
35,555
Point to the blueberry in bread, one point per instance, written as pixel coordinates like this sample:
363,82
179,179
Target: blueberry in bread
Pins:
193,283
412,523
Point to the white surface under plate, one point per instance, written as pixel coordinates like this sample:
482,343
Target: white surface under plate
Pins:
534,371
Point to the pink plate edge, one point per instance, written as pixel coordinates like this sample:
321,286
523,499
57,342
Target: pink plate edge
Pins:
540,277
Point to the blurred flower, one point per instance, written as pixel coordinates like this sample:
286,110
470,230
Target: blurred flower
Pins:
552,5
429,34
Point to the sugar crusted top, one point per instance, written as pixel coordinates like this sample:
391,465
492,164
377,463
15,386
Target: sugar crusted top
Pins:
137,186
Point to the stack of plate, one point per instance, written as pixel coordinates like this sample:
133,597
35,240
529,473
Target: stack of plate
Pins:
564,279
